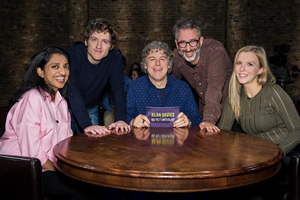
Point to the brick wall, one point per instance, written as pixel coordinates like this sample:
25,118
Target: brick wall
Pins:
27,26
140,22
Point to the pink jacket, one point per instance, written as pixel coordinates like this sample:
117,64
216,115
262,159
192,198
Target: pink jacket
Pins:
35,124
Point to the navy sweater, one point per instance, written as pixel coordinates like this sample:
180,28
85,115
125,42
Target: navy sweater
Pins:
142,93
87,83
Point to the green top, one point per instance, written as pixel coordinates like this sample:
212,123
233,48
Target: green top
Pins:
271,114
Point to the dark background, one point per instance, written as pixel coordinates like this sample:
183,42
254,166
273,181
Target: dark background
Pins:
26,26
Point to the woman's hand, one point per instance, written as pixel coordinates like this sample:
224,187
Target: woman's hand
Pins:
182,121
140,121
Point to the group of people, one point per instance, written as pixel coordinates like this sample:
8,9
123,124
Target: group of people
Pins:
62,89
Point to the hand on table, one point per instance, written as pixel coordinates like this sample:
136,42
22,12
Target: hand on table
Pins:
140,121
96,129
210,127
96,135
119,126
182,121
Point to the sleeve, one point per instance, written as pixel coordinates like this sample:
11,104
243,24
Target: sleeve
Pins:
227,118
106,100
191,109
286,110
117,88
76,101
216,78
28,127
70,132
131,103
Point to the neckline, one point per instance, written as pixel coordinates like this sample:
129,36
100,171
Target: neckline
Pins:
249,98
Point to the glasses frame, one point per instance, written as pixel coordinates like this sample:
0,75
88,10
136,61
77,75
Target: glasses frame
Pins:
186,43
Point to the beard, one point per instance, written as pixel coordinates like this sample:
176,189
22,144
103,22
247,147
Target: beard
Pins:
194,57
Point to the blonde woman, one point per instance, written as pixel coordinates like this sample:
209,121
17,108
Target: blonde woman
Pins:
260,106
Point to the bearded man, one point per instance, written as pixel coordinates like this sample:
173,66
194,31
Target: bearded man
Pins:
206,66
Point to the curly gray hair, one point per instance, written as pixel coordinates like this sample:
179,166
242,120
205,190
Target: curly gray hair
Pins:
155,46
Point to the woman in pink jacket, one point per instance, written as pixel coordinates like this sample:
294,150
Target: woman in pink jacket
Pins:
40,119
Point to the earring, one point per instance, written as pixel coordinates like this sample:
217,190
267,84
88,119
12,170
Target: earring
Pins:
42,76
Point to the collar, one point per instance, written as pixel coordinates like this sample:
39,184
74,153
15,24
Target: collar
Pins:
58,98
151,84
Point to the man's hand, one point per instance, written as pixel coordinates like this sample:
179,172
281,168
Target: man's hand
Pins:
210,127
140,121
96,129
182,121
119,126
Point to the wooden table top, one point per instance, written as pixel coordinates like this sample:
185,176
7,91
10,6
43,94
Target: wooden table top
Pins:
168,160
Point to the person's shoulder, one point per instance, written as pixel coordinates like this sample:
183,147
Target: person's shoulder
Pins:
178,59
271,89
114,53
114,57
127,79
77,48
176,54
33,93
139,82
212,41
212,44
272,86
177,81
33,97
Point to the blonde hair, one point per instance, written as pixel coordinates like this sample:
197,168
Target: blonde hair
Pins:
234,85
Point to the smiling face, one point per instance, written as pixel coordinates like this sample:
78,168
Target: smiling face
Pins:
157,67
56,71
247,68
98,46
190,54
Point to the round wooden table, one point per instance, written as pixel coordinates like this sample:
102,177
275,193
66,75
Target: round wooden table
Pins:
168,160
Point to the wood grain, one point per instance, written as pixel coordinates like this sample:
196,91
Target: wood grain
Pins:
168,160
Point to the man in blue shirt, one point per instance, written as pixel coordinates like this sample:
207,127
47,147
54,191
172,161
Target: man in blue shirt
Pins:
158,89
95,63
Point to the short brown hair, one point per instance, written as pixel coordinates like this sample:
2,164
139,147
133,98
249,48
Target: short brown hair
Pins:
100,25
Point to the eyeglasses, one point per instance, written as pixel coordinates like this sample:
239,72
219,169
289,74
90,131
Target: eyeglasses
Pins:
192,43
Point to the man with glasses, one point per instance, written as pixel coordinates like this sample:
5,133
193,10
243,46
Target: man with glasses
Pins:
94,64
206,66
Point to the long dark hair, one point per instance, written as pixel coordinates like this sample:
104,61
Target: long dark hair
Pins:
33,80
